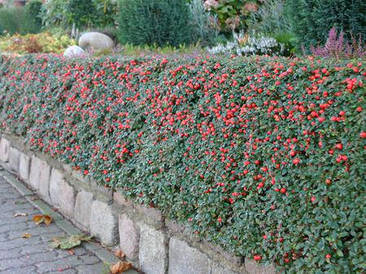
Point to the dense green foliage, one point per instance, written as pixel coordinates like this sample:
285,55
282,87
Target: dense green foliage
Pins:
264,156
18,20
82,13
233,15
203,25
33,10
311,20
149,22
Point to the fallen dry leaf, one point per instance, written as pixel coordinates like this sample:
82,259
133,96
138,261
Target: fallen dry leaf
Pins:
26,235
38,219
120,267
20,214
47,220
69,242
119,253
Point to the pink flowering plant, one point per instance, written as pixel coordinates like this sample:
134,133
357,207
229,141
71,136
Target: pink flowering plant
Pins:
337,47
264,156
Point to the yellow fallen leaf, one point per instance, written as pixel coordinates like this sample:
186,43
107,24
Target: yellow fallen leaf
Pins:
47,220
26,235
38,219
120,267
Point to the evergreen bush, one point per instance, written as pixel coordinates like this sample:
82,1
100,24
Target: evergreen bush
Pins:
154,22
311,20
33,14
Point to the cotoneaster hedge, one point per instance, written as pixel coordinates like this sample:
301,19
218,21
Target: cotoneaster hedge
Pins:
263,156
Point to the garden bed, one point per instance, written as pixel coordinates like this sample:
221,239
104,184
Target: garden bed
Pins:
262,156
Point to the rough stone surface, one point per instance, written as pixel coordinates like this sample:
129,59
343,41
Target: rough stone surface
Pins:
120,200
24,163
150,216
39,177
96,41
102,223
61,193
128,237
254,268
14,159
83,208
74,52
217,269
153,250
34,255
4,149
185,259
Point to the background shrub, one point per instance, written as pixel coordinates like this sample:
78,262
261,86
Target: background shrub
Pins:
311,20
204,26
233,14
44,42
54,13
18,20
160,22
33,10
264,156
269,18
82,13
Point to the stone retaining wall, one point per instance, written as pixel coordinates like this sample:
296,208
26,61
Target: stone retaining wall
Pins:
151,242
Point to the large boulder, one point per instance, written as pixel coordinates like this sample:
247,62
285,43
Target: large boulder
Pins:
74,52
95,40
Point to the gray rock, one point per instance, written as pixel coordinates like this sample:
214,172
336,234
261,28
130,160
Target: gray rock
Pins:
103,223
218,269
185,259
14,159
4,149
128,237
61,193
153,250
39,177
255,268
74,52
82,209
24,162
96,41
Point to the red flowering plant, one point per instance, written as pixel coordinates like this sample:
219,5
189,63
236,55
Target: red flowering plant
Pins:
264,156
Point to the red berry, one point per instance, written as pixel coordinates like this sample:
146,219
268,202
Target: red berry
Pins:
296,161
257,257
339,146
363,134
328,256
321,119
283,190
359,109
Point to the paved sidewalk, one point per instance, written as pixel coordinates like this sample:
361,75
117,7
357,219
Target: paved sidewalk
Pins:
33,255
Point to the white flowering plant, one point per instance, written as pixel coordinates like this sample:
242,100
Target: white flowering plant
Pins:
245,44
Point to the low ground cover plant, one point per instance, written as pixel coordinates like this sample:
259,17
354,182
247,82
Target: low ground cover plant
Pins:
263,156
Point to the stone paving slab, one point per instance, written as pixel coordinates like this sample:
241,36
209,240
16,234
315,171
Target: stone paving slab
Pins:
34,255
